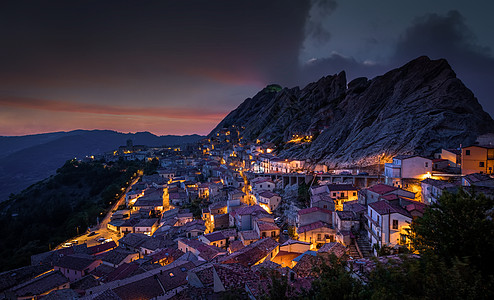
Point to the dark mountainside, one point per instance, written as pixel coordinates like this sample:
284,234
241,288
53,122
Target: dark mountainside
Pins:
25,160
416,109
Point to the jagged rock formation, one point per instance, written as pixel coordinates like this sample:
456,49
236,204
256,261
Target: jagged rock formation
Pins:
416,109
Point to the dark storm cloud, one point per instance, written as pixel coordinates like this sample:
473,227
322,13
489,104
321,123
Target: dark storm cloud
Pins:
437,36
86,39
314,28
447,36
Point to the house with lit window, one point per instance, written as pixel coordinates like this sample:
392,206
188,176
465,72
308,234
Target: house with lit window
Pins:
432,189
453,156
387,224
268,200
377,191
342,193
406,167
477,159
263,184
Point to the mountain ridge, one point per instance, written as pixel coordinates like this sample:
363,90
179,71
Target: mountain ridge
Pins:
25,160
418,108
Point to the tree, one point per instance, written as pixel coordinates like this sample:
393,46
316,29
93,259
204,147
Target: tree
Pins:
459,226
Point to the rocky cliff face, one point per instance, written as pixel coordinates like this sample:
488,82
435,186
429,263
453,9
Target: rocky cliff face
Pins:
416,109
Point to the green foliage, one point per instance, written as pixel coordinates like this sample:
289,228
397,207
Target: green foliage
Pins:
55,209
334,282
303,197
458,226
455,239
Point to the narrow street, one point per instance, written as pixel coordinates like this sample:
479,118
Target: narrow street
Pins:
100,231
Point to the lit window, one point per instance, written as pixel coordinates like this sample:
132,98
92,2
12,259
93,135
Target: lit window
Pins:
395,224
171,274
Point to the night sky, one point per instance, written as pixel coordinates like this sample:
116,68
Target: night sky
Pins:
178,67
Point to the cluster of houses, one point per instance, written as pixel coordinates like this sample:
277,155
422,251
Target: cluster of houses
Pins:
166,251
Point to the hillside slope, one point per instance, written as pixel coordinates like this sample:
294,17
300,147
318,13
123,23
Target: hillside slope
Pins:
25,160
416,109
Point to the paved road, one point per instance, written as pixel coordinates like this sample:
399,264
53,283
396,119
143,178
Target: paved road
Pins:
101,231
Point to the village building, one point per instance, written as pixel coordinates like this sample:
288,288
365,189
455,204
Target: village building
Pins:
477,159
406,167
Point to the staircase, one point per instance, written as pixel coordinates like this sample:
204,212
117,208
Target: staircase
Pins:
353,252
364,244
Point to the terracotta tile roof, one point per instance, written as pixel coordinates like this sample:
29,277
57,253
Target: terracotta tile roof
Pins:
346,215
439,183
156,243
383,207
354,206
235,275
267,226
312,226
84,283
291,242
313,209
248,235
416,206
101,247
341,187
169,253
14,277
382,189
268,194
102,271
214,236
251,254
235,246
217,205
116,256
40,285
207,252
133,240
74,262
123,271
477,177
335,248
62,294
248,210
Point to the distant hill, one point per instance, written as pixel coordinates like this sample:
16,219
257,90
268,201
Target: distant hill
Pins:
418,108
25,160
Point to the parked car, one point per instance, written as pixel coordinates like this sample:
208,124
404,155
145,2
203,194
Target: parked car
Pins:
101,240
67,245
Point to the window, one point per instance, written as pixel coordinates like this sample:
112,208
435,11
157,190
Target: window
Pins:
426,164
395,224
481,164
467,152
273,233
334,194
318,236
354,194
377,219
171,274
264,234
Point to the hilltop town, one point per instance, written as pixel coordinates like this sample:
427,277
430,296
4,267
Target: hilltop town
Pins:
216,215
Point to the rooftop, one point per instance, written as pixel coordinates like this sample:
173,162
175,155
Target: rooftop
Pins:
312,226
251,254
313,210
383,207
382,189
75,262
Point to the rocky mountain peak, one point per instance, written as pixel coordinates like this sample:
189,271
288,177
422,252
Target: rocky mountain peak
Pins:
418,108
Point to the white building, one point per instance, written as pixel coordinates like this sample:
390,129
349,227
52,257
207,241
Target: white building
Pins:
387,224
407,166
